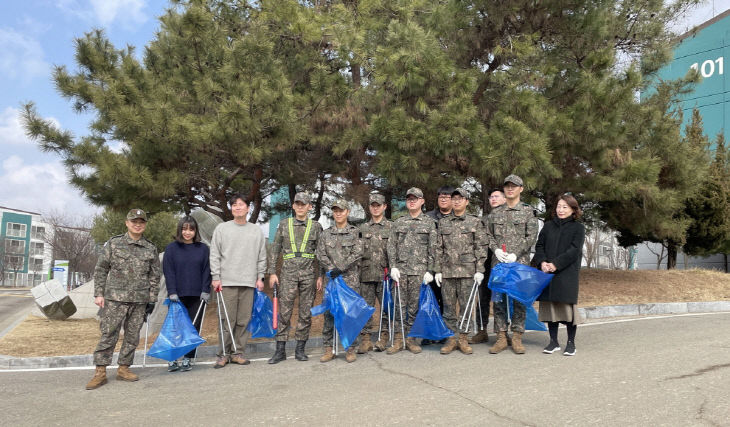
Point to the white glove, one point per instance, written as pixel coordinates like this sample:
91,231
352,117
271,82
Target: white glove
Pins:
395,274
428,277
511,258
478,277
501,255
438,278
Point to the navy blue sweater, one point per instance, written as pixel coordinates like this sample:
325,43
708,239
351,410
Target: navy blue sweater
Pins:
187,269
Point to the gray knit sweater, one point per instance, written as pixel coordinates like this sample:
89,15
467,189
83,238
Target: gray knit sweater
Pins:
237,254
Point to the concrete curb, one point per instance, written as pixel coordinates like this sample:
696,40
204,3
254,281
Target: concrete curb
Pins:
9,363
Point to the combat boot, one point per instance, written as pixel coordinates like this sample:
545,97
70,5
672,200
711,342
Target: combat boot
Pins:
382,341
279,354
299,353
350,356
501,343
397,344
328,355
412,346
366,344
464,345
124,374
517,346
449,346
99,378
479,337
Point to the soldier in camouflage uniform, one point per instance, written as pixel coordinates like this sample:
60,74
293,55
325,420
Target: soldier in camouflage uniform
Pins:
512,226
126,281
295,240
412,258
374,235
339,252
462,249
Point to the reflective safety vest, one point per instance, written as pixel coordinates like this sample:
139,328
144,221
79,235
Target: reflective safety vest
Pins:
300,253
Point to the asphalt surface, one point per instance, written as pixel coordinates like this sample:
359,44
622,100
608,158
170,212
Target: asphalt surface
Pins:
671,370
14,303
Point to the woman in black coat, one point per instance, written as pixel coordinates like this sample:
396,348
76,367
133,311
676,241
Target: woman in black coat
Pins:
558,251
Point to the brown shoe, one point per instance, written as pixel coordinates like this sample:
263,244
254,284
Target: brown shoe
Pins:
350,356
517,346
238,359
397,344
99,378
220,362
328,355
479,337
365,345
124,374
412,346
501,343
449,346
464,346
382,343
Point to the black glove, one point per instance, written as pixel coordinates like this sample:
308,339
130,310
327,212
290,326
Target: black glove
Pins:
173,298
335,272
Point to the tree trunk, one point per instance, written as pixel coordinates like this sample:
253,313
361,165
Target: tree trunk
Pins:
671,255
255,194
320,197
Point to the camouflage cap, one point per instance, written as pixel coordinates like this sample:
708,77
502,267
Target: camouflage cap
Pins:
377,198
303,197
414,191
514,179
461,192
136,214
340,203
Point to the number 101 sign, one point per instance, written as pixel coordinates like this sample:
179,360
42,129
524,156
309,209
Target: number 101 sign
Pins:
708,68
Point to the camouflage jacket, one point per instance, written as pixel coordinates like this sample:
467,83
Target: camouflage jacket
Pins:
295,263
374,249
128,270
341,248
462,246
412,245
516,228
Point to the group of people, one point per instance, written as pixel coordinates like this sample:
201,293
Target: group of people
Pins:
447,248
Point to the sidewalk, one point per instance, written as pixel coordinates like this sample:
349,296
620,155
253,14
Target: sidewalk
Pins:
266,348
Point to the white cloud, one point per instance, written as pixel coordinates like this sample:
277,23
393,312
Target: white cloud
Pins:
11,127
40,187
21,57
128,13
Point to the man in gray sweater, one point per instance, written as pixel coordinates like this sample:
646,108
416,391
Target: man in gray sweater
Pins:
237,264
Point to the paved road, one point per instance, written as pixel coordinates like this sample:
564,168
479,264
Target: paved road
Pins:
13,304
658,371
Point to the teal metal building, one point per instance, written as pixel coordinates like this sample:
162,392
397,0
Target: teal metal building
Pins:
704,49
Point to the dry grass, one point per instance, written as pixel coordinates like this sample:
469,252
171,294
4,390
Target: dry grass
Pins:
41,337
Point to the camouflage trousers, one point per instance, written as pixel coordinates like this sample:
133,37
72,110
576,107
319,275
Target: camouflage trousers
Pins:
410,291
114,316
457,290
328,329
288,290
239,304
500,315
371,291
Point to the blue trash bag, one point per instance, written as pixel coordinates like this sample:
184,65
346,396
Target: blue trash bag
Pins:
519,281
429,324
177,336
531,321
350,311
261,324
388,303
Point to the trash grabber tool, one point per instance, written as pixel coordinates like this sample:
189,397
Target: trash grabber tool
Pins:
220,323
146,333
382,308
400,308
481,319
335,339
506,297
275,317
202,306
469,303
228,321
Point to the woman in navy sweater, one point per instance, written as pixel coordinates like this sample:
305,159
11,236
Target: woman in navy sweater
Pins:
187,275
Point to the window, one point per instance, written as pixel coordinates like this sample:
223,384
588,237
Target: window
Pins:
10,278
36,248
37,232
15,230
36,264
606,250
13,246
13,262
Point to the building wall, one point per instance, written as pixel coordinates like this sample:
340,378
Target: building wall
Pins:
34,247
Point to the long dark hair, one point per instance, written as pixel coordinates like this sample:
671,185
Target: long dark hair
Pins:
570,200
190,222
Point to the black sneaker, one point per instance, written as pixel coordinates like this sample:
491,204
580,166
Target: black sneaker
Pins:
569,349
186,366
551,348
172,366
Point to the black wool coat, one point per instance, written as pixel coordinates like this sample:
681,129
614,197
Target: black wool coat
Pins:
561,242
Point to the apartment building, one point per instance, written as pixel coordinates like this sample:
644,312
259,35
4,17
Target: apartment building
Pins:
26,255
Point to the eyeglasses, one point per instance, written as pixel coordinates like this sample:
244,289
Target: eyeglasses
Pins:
444,197
457,199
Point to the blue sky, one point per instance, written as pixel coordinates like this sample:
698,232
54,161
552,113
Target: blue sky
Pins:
35,35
